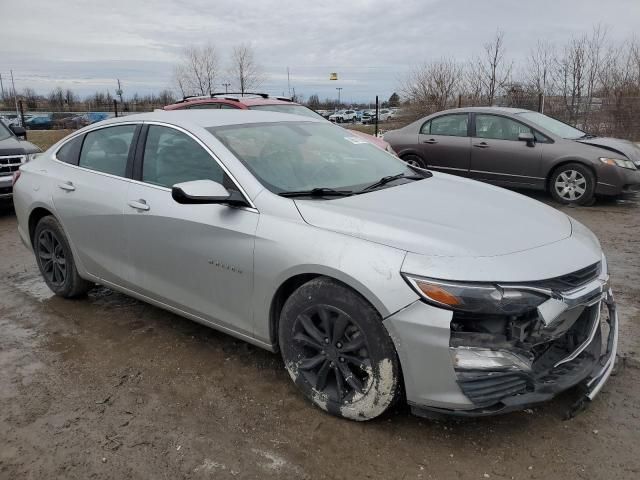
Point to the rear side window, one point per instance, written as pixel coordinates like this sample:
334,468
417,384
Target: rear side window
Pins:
171,157
70,151
107,150
449,125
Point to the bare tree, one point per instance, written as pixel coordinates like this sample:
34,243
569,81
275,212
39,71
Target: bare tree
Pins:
494,70
56,98
30,98
435,84
539,75
197,71
69,98
244,71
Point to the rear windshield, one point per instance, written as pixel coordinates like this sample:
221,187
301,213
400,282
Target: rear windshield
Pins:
283,108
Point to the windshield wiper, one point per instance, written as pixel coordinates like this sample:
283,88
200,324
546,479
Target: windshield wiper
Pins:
586,136
317,192
390,178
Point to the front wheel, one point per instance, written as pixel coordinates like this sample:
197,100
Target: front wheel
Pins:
572,184
337,351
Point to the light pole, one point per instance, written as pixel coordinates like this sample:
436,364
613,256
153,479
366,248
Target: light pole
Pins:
226,87
339,89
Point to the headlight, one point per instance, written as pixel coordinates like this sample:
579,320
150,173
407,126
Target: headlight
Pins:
31,156
485,298
618,162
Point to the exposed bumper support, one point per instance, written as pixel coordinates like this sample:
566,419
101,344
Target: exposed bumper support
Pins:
599,378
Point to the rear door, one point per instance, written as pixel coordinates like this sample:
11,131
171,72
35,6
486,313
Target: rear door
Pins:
497,156
197,258
444,143
90,189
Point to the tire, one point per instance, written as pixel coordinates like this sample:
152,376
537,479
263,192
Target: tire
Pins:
414,160
572,184
55,260
337,351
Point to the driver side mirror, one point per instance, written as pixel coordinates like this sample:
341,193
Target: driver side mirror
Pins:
19,131
529,138
206,192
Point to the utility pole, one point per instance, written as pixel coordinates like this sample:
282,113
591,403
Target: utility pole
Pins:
1,88
15,95
226,87
288,82
339,89
119,91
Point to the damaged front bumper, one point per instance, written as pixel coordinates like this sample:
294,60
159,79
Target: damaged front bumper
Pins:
464,374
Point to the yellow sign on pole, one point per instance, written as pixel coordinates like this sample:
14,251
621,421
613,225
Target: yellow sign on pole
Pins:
333,76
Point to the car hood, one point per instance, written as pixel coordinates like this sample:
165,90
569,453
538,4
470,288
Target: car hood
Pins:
442,216
15,146
624,147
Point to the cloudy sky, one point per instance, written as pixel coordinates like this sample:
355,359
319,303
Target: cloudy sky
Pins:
86,45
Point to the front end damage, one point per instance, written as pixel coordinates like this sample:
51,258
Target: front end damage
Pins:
503,362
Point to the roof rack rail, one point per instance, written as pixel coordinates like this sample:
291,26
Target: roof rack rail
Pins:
218,94
284,99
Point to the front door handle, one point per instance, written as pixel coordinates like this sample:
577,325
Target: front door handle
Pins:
481,145
431,141
140,204
67,186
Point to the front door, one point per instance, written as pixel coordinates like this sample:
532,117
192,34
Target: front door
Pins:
197,258
444,143
497,156
89,195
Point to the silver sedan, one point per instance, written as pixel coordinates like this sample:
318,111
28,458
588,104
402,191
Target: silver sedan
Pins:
366,273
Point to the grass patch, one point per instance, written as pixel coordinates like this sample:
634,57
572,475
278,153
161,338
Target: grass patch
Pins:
45,138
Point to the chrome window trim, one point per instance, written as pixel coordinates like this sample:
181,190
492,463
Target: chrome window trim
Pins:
78,133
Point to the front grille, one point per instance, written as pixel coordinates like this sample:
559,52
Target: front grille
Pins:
488,388
5,190
571,280
10,164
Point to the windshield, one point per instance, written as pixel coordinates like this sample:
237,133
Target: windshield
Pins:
283,108
296,156
554,126
4,131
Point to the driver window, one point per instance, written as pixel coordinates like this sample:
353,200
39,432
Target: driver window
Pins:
499,128
171,157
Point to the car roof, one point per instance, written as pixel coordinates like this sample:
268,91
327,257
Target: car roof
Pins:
508,110
211,118
246,101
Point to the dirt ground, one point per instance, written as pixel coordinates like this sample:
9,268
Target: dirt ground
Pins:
108,387
45,138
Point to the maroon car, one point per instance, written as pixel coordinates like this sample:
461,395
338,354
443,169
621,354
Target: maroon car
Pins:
262,101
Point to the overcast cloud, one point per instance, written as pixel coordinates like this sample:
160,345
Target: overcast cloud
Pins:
86,45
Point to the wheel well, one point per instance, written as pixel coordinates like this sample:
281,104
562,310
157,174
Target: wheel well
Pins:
36,215
566,162
284,291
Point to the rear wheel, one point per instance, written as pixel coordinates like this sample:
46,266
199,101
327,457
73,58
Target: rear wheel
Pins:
572,184
415,161
55,260
337,351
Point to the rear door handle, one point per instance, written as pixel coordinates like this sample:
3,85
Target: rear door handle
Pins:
431,141
68,186
481,145
140,204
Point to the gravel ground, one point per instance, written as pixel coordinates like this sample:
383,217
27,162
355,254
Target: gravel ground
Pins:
108,387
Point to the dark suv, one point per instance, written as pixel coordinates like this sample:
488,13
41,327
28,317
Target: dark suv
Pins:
14,151
262,101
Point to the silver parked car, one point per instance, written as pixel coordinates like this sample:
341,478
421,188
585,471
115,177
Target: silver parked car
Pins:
367,274
519,148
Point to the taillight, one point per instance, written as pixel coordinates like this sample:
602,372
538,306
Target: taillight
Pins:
16,176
